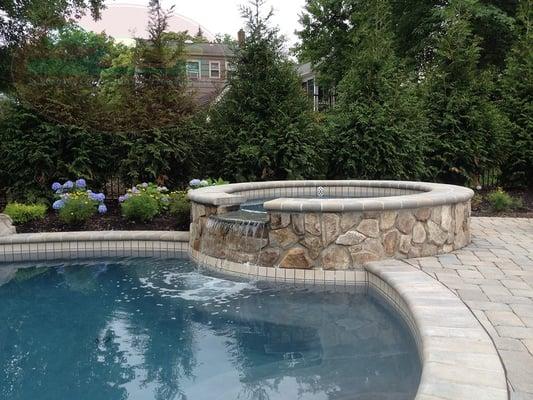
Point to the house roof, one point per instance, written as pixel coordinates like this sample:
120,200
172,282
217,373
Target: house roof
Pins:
208,49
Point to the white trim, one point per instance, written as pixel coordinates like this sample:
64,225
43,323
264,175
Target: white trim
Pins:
199,62
219,70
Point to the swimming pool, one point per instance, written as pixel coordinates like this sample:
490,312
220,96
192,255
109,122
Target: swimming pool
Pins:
160,329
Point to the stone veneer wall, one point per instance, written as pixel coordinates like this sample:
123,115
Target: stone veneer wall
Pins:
319,240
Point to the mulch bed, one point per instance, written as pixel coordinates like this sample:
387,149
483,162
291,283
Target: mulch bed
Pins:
482,208
112,220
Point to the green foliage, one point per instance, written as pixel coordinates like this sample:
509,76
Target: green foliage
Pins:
468,130
78,210
377,129
41,152
262,128
22,213
140,208
326,38
502,201
517,101
180,207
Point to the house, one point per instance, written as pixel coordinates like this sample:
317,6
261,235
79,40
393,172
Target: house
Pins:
208,65
320,98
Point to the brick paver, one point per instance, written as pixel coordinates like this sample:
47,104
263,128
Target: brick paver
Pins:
494,278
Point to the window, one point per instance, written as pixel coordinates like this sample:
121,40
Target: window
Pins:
193,69
214,69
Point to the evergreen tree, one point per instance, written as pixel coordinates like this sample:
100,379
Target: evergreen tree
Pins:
263,127
325,38
517,101
377,129
468,130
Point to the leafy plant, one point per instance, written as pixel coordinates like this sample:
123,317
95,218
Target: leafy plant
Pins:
22,213
77,210
75,203
180,207
502,201
140,208
144,201
200,183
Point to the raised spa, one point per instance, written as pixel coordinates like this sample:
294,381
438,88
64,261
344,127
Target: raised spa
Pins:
132,329
327,224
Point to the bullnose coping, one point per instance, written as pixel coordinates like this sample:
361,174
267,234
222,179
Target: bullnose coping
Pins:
459,360
90,236
429,195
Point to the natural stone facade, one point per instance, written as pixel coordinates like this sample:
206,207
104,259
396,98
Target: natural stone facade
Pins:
336,240
363,221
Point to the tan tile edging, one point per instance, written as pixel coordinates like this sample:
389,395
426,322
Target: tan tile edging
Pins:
71,245
459,359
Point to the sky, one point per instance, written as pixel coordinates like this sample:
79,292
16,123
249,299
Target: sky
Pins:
223,16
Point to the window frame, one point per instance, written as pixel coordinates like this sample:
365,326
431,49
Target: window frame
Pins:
199,77
219,70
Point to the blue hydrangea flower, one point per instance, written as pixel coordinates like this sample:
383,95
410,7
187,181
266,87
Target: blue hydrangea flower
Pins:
81,183
100,197
135,190
56,186
144,185
58,204
102,209
122,199
68,185
195,182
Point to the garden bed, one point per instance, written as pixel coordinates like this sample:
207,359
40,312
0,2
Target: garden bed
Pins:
481,207
112,220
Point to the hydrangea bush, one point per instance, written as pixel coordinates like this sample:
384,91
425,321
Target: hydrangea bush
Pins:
75,203
200,183
143,202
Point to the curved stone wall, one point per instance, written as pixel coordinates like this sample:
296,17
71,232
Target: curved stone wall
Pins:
354,222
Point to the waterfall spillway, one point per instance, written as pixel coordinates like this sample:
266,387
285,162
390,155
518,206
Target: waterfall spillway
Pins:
238,234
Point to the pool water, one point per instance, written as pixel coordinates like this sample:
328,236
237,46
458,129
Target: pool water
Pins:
133,329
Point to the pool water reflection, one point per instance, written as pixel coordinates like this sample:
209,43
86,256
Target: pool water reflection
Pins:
159,329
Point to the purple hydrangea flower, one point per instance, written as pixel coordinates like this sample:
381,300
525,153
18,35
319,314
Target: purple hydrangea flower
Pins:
135,190
58,204
68,185
102,209
195,182
81,183
122,199
56,186
144,185
100,197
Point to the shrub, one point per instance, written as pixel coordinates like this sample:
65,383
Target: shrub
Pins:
140,208
180,207
75,203
502,201
22,213
77,210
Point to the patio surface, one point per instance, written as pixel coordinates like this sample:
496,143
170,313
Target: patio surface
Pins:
493,276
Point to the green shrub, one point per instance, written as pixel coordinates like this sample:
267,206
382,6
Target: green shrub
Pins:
140,208
180,207
78,210
502,201
22,213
